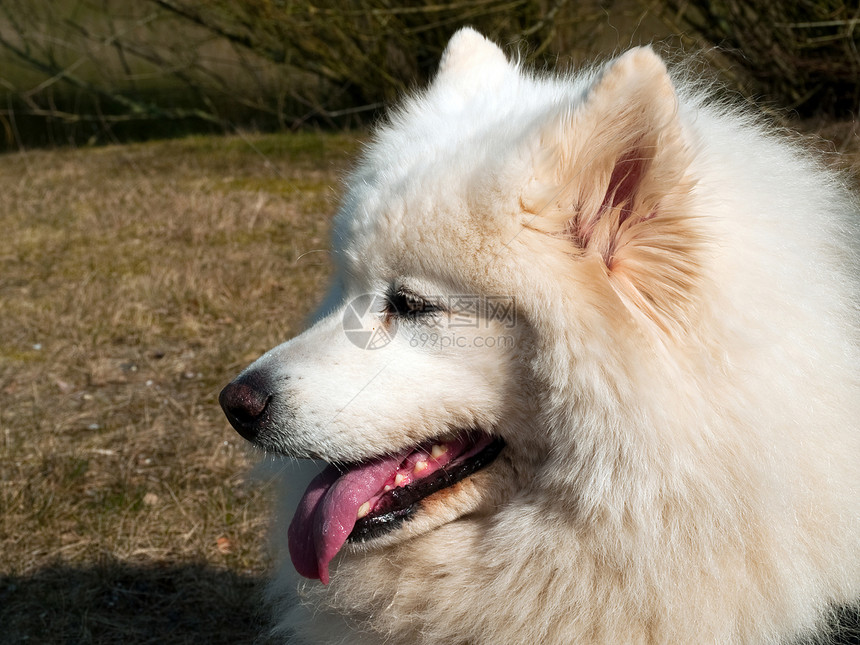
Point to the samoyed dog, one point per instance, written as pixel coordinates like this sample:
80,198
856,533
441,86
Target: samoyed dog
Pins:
588,373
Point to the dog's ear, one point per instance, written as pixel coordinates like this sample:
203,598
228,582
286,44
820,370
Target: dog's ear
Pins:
611,176
469,62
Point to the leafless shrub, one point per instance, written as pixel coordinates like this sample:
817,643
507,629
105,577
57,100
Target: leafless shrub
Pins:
105,69
103,64
800,55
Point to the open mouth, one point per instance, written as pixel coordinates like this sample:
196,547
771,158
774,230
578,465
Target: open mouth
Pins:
361,501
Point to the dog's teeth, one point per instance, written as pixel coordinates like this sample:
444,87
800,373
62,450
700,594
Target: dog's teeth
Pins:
388,487
420,466
438,450
363,510
398,479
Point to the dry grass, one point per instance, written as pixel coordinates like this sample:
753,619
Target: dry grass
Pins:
135,281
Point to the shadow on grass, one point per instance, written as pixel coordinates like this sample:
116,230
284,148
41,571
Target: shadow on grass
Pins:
168,604
131,604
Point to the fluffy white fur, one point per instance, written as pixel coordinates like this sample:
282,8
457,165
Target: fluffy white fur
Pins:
681,401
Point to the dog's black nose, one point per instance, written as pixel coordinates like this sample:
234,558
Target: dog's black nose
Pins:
245,407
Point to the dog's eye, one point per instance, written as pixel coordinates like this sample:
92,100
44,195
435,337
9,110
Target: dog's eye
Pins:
407,305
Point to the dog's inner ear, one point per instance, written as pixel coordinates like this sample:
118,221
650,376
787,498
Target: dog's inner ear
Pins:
611,176
598,227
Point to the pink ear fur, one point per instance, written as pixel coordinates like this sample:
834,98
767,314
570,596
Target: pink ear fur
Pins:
611,176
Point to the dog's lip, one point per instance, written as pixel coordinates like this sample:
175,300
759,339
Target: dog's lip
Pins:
393,506
381,491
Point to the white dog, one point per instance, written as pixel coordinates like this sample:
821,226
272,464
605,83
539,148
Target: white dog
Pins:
588,373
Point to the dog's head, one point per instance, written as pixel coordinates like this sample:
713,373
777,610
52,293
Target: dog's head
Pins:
499,241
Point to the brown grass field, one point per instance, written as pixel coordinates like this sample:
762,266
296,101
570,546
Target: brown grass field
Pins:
135,282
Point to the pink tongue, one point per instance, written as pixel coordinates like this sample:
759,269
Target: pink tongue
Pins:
327,512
